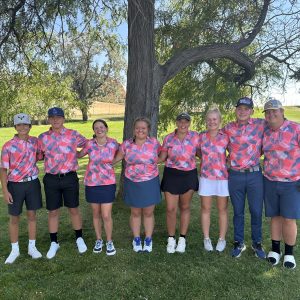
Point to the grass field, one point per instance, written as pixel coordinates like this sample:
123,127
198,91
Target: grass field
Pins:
192,275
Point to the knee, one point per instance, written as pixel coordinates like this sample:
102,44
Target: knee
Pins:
288,222
53,214
31,218
74,212
135,213
147,214
205,209
14,220
106,217
184,208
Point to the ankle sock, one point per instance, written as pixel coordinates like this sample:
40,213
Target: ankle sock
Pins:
276,246
53,237
288,249
15,246
78,233
182,235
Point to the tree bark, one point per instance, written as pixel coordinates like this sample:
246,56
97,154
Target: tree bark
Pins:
84,112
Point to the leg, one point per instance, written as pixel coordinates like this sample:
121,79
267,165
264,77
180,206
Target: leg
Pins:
255,201
135,221
96,208
237,191
289,231
14,228
172,204
53,217
276,228
222,205
148,215
205,214
107,219
31,218
185,212
75,218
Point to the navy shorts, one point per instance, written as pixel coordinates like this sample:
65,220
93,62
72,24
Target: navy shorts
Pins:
282,199
61,190
29,191
100,194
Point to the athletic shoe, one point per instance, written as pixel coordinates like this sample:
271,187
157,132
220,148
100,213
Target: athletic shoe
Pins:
221,245
258,250
147,245
171,247
181,245
14,254
289,262
208,245
98,246
33,252
238,249
110,248
137,244
81,245
52,250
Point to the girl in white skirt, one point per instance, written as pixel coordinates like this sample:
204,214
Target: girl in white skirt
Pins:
213,177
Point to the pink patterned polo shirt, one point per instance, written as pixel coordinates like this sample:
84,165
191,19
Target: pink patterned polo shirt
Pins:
19,158
213,155
100,170
181,155
281,149
60,150
245,143
141,160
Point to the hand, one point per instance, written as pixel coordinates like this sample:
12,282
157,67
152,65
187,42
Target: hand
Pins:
8,197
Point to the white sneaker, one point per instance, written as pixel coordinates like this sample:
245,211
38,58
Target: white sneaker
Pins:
207,245
14,254
81,245
52,250
147,245
171,245
181,245
34,253
137,244
221,245
110,248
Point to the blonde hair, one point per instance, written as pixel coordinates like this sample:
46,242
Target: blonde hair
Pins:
143,119
214,110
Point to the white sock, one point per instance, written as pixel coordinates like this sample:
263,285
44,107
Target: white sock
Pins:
31,243
15,246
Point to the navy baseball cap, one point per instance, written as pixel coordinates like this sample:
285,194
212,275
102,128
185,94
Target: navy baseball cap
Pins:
56,112
245,101
185,116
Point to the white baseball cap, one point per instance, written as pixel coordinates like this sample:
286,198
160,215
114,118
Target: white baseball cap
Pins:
22,119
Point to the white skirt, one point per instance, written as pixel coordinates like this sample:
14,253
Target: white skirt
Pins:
210,187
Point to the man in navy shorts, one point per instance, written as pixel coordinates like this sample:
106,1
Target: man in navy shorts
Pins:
20,183
281,147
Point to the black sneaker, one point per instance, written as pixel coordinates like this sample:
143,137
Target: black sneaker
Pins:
258,250
237,250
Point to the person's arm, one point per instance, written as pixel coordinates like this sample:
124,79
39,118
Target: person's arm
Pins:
119,156
162,156
6,194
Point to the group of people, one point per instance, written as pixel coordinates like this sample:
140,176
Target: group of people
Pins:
229,166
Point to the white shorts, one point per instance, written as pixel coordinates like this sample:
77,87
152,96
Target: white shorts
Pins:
210,187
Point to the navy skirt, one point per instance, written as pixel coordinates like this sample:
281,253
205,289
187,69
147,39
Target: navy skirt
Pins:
178,182
142,194
100,193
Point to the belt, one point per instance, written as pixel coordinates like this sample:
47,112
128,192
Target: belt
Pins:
249,170
60,175
28,178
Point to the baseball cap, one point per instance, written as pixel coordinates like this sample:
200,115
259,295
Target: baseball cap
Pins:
272,104
22,119
56,112
184,115
245,101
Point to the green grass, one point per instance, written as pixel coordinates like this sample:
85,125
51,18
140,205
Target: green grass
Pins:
193,275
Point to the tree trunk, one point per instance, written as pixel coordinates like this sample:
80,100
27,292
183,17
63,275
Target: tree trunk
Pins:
84,112
143,77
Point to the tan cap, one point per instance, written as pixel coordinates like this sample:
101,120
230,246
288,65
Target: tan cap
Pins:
272,104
